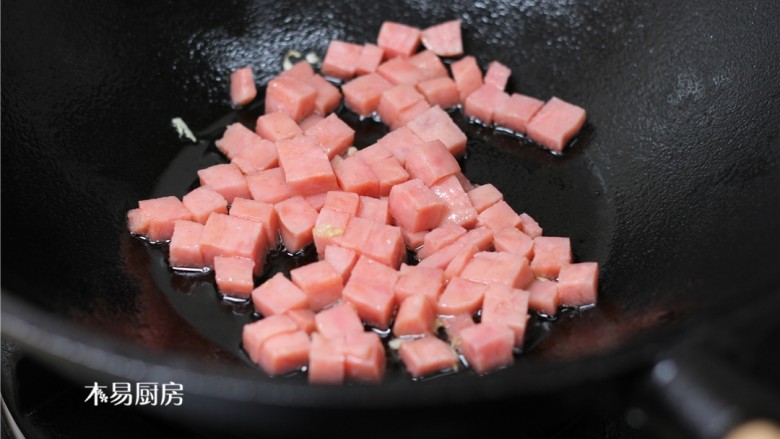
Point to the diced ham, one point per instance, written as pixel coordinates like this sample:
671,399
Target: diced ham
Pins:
454,324
341,259
328,96
416,316
356,234
225,235
306,167
444,39
338,321
242,86
457,205
530,226
480,237
285,353
320,282
555,124
399,142
354,175
441,91
364,357
390,172
499,216
256,334
234,275
310,121
487,346
257,156
301,70
464,182
362,94
202,202
268,186
398,39
370,290
409,114
459,261
544,296
426,356
414,206
504,305
296,222
184,250
499,267
333,134
461,296
304,318
226,179
291,96
158,216
370,57
341,59
415,279
373,153
413,240
277,126
396,100
235,138
467,76
431,162
386,245
326,360
497,75
399,71
512,240
484,196
516,112
342,201
278,295
578,283
439,238
436,124
482,103
550,254
374,209
429,64
317,201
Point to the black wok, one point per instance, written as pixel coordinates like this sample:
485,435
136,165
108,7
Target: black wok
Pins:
672,187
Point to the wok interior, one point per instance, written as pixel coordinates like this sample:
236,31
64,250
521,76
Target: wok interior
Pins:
671,186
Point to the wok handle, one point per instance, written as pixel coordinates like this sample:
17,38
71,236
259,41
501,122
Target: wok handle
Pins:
693,394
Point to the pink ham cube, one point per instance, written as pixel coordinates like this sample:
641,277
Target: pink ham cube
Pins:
506,306
226,179
326,360
426,356
278,295
370,57
482,103
385,245
399,142
444,39
277,126
458,209
578,283
362,94
550,254
454,324
461,296
399,71
341,59
370,290
396,100
356,234
301,70
317,201
296,223
499,267
460,261
284,353
390,172
268,186
333,134
467,76
306,167
234,275
516,112
429,64
342,201
291,96
512,240
304,318
258,211
499,216
411,113
184,250
497,75
413,240
415,279
341,259
484,196
487,346
414,206
354,175
338,321
439,238
202,202
225,235
480,237
374,209
441,91
530,226
373,153
436,124
235,138
416,316
330,224
364,357
431,162
256,334
464,182
258,156
328,96
398,39
544,296
320,282
158,216
555,124
242,86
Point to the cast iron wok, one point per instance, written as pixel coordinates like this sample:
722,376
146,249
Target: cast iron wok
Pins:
672,185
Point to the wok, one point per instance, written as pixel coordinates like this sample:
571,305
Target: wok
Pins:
672,187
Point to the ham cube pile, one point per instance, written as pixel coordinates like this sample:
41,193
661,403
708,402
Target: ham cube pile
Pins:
295,179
